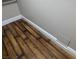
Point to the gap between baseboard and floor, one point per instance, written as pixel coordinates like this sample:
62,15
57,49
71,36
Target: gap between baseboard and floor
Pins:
44,32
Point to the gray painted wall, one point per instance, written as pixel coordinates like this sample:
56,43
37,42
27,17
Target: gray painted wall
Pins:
9,11
55,16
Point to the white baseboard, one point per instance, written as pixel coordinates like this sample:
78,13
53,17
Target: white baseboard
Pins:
52,38
7,21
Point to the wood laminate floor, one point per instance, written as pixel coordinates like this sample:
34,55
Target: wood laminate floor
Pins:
23,41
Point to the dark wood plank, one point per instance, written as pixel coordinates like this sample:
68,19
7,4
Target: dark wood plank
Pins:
13,42
23,57
4,52
33,28
12,30
19,31
9,48
20,26
5,27
3,34
25,49
35,50
30,30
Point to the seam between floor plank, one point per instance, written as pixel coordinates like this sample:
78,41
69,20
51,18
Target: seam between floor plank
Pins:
22,37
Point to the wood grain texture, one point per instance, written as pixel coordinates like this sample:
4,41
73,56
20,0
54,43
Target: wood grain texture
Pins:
22,41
